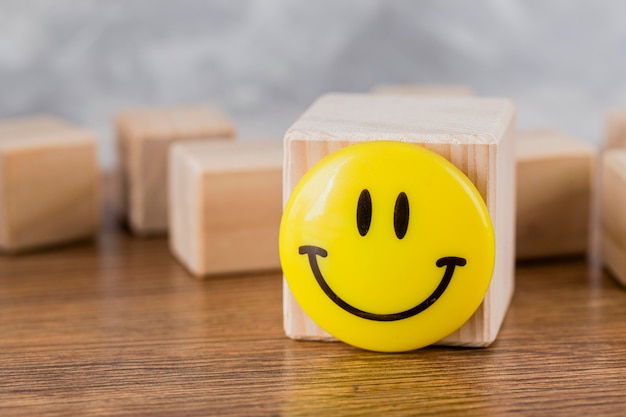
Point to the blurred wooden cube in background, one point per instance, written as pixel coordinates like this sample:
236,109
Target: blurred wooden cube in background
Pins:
225,205
425,90
555,177
613,209
615,129
144,136
49,183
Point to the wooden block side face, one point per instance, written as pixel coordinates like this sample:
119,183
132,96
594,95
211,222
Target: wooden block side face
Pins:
554,206
613,258
52,195
500,293
3,206
240,220
148,187
184,210
143,138
135,159
616,129
482,328
124,156
613,218
613,200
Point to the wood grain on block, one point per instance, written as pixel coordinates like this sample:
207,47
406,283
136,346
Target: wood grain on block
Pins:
613,213
615,129
554,194
475,134
49,183
424,90
225,205
144,136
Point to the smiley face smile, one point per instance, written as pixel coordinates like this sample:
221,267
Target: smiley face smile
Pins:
450,262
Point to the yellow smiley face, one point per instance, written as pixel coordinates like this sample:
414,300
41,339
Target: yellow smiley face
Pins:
387,246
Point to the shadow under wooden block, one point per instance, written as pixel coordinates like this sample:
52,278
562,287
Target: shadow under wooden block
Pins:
143,138
613,213
424,90
225,205
475,134
555,177
49,183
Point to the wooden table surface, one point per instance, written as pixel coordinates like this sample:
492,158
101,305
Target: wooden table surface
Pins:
117,326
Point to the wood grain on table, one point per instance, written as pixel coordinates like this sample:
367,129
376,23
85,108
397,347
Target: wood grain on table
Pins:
117,326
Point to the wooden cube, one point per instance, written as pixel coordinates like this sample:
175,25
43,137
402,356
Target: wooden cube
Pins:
554,194
475,134
31,125
424,90
616,129
144,136
613,213
49,183
225,205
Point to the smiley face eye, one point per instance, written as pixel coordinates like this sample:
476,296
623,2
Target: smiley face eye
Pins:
401,215
364,212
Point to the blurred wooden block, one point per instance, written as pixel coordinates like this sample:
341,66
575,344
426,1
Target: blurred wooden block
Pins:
554,194
424,90
475,134
49,183
225,205
144,136
32,124
613,213
615,129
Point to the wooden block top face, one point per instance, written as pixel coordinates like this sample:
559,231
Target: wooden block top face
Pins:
364,117
190,122
38,131
10,128
226,156
53,138
424,90
532,145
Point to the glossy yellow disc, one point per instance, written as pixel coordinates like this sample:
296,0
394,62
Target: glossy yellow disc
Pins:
387,246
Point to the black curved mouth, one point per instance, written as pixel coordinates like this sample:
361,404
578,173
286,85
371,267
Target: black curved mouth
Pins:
450,262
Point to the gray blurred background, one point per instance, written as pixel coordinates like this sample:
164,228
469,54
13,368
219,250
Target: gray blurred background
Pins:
264,62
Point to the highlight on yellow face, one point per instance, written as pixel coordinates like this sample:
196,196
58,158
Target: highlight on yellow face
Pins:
387,246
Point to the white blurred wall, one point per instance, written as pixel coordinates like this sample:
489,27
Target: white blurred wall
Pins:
264,61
